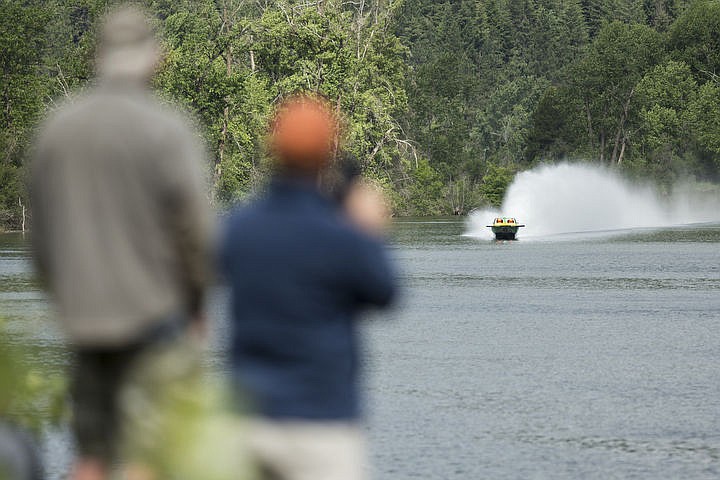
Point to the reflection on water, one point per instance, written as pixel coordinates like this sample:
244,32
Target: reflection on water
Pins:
583,358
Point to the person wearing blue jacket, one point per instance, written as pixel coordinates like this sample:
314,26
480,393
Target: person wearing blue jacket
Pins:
300,270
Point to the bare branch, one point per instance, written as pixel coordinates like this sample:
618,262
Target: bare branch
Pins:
63,81
381,142
713,76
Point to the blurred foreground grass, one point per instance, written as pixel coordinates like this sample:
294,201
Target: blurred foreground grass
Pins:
200,438
190,433
30,394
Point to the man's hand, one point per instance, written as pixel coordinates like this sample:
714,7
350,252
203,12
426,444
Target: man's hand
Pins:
367,207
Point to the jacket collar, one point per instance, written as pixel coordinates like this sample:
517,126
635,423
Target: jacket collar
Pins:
298,187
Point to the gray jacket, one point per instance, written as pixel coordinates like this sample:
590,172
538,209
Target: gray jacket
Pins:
121,223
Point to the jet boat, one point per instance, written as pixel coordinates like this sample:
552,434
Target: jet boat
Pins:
505,228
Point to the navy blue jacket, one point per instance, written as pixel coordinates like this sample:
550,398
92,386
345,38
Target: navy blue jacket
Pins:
299,274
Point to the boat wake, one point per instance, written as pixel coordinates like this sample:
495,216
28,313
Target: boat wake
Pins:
571,200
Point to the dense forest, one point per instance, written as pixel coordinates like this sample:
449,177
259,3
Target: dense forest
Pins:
444,101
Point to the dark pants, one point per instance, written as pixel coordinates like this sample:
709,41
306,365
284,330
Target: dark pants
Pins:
99,376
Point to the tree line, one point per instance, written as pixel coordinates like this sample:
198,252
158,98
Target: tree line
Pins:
443,101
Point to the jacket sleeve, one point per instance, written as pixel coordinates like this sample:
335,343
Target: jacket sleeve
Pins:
373,278
190,218
39,210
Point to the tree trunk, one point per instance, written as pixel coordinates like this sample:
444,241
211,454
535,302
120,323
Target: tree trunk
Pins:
591,135
622,150
620,135
22,207
457,195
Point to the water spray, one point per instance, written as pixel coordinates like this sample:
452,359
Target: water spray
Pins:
577,198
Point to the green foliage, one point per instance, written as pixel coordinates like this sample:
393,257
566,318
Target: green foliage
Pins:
436,95
605,82
478,69
11,195
495,183
695,37
637,110
22,92
45,51
662,97
231,68
29,395
704,116
201,438
425,191
661,13
555,131
193,434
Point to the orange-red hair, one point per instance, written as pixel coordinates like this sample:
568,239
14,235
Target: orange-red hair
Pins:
303,133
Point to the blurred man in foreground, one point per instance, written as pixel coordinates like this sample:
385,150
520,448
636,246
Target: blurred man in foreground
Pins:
300,271
120,230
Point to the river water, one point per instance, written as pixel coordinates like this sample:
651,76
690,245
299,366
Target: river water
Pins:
568,356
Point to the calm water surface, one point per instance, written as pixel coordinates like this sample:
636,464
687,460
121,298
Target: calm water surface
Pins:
565,357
